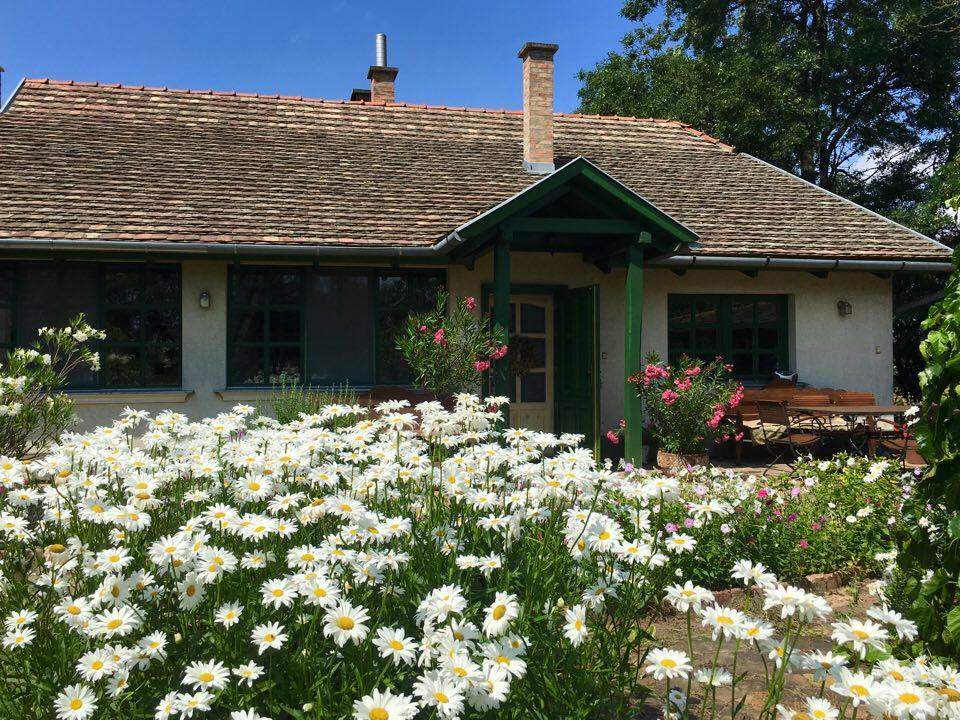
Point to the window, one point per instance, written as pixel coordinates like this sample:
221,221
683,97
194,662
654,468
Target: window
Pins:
140,312
7,290
322,327
265,326
749,331
136,304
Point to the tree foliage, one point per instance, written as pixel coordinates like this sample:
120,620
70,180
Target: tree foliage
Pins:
837,91
930,549
857,96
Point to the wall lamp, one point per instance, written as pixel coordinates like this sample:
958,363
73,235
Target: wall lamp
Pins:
844,308
204,299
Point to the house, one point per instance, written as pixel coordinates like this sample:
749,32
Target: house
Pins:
225,240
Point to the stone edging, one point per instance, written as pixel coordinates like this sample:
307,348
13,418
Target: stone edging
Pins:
819,583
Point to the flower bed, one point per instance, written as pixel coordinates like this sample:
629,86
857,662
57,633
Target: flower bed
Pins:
341,567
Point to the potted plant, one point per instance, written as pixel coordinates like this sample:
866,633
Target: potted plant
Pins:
688,406
450,352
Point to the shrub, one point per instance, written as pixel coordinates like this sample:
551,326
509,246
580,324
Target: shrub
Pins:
828,515
929,559
34,410
687,404
450,353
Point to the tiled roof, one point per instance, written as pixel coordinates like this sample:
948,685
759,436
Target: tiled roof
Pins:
111,162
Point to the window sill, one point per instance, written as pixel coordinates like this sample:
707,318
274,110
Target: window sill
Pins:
250,393
114,397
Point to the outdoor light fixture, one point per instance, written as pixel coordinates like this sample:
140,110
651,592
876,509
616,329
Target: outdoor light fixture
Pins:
204,299
844,308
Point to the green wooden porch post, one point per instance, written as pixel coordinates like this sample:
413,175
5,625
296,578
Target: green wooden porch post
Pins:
501,308
633,354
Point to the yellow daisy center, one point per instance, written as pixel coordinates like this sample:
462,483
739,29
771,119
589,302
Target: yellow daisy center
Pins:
206,677
396,645
908,698
345,623
76,704
668,663
378,713
440,697
499,611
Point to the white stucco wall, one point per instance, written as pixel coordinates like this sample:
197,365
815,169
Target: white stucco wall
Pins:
826,349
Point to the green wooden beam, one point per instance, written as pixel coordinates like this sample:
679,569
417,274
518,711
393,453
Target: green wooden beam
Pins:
501,308
633,352
578,226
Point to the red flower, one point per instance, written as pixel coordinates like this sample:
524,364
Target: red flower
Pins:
481,366
612,437
471,303
498,353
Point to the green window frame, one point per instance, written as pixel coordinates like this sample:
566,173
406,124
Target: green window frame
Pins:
140,308
266,320
8,294
749,331
143,318
251,311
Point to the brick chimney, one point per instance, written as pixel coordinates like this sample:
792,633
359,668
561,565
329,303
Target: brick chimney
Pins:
538,106
382,77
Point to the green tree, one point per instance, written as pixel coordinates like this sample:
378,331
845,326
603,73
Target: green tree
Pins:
857,96
836,91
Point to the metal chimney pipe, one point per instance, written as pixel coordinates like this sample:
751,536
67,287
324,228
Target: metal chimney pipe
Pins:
381,50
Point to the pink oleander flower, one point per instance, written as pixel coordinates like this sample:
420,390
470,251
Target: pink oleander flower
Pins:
440,338
424,328
498,353
471,303
612,437
669,397
804,544
481,366
694,371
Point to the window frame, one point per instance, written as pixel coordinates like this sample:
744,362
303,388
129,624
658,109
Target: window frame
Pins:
723,302
142,307
374,274
266,344
11,306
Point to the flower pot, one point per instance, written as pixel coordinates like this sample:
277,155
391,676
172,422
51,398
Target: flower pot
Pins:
673,462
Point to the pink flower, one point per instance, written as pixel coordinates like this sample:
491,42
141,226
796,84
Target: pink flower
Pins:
762,493
440,338
804,544
612,437
684,384
481,366
471,303
424,328
498,353
669,397
694,371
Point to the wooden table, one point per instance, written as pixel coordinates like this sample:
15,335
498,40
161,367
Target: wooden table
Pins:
869,412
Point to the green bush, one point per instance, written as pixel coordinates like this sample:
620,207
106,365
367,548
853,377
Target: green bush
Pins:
831,515
929,561
34,410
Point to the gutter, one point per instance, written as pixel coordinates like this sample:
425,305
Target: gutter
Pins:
807,264
219,249
433,252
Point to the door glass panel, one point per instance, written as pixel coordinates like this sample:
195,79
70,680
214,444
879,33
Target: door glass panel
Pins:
533,387
538,352
533,318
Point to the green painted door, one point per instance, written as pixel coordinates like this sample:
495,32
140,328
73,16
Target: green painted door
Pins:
576,353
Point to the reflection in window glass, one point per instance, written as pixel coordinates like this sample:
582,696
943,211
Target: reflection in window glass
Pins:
748,331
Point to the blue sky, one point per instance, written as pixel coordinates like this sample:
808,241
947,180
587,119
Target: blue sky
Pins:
449,51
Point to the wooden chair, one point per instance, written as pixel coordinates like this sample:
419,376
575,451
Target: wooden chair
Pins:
903,448
748,419
779,433
810,397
